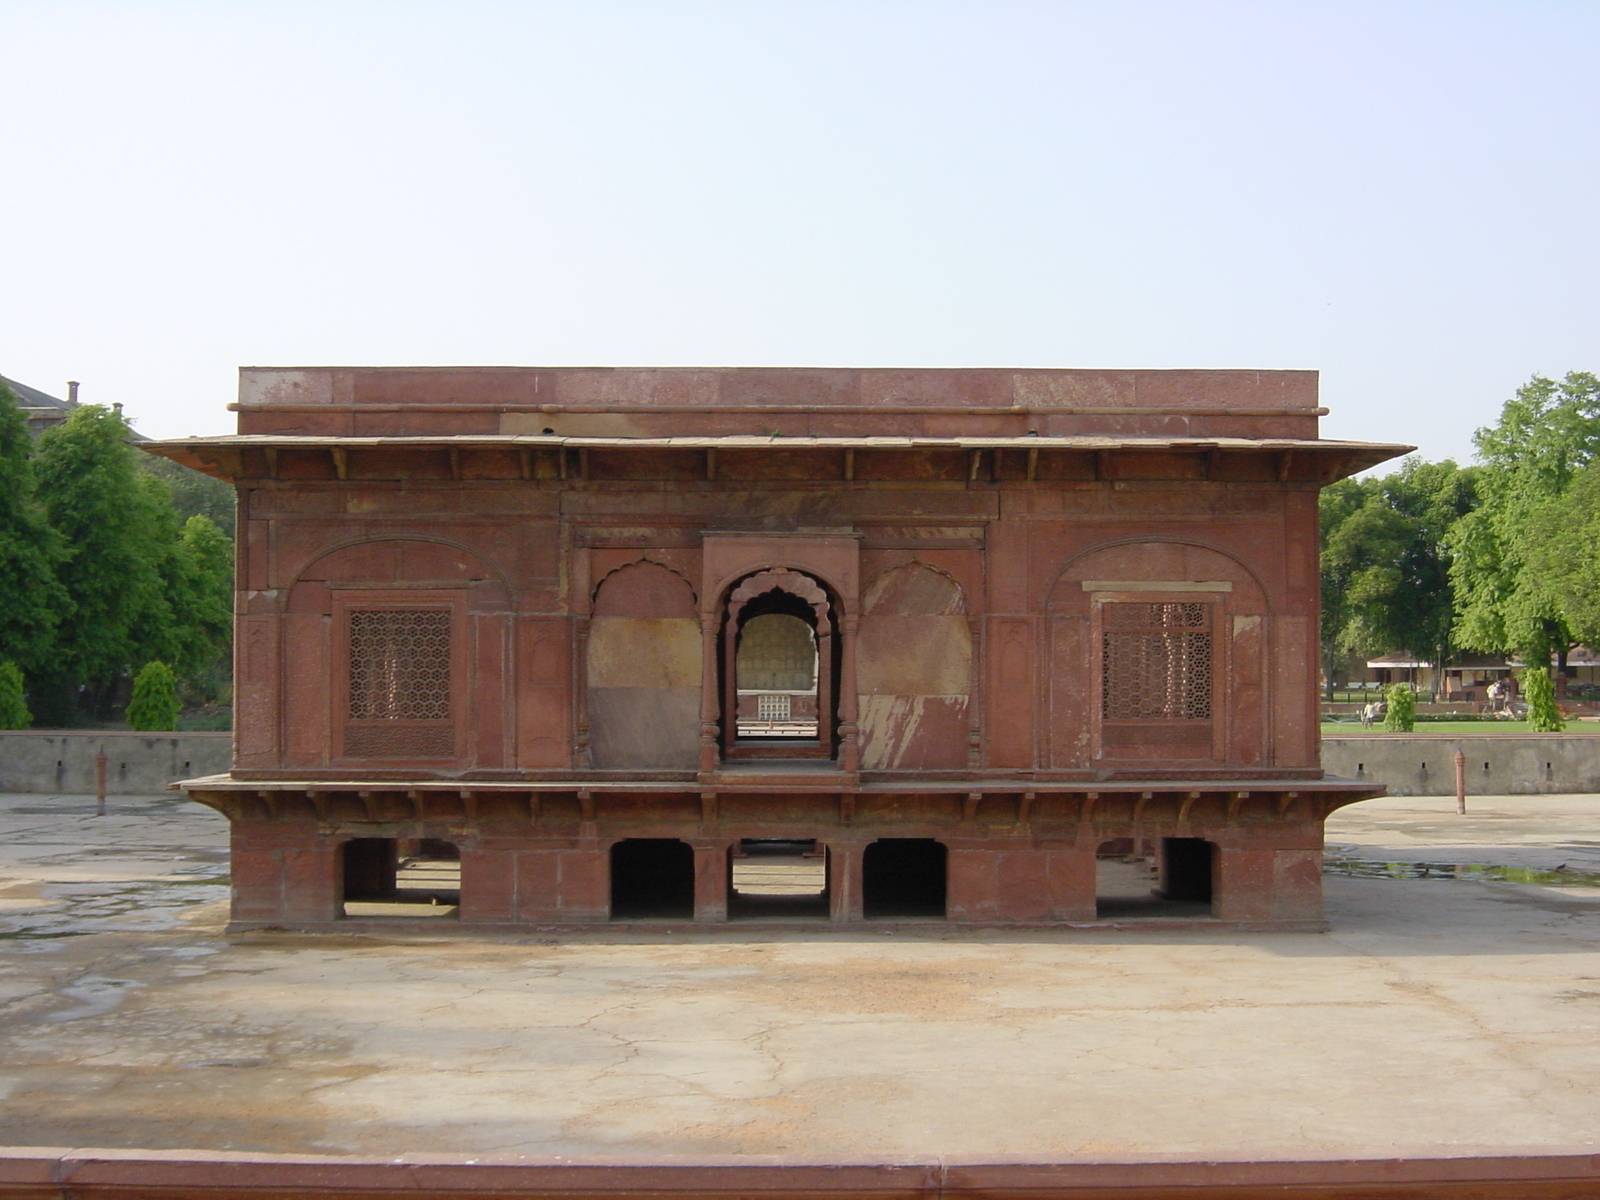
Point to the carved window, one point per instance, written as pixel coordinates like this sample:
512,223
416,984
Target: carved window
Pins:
399,681
1156,662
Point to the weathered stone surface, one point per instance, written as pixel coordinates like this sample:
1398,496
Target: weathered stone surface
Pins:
132,1021
958,544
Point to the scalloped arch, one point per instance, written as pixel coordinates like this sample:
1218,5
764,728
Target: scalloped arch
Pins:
868,597
594,592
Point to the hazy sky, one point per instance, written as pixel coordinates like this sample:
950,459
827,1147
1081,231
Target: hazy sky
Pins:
1402,195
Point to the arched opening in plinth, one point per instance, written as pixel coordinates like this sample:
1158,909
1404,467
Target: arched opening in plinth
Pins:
400,877
777,879
1188,866
652,879
904,877
778,668
1160,878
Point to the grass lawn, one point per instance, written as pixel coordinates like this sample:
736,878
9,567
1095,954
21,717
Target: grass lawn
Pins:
1470,728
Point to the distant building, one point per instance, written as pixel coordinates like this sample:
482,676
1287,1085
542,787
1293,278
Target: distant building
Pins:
43,410
1466,677
986,646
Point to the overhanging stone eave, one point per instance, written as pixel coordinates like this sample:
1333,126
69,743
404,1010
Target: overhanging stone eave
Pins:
222,456
952,785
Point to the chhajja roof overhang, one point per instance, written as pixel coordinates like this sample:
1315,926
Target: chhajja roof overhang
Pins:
531,456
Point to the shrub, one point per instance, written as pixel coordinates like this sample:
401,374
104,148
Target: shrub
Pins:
1543,715
155,699
14,712
1402,711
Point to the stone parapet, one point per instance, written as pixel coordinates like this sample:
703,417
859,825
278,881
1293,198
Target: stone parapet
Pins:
57,1174
63,760
1423,764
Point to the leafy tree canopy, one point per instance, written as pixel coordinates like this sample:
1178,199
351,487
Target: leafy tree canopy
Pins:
30,597
13,709
192,493
1507,598
154,705
1386,560
115,526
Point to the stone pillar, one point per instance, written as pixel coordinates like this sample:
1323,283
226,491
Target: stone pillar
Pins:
1070,874
488,885
1241,883
849,702
975,696
257,867
711,881
844,881
709,754
580,695
313,888
581,878
972,878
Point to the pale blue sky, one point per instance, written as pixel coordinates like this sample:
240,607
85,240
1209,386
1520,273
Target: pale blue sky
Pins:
1402,195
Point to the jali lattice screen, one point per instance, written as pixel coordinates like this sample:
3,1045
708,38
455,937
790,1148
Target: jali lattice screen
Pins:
399,672
1156,662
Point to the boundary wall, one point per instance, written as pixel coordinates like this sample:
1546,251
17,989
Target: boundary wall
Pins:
1419,764
1423,764
52,1174
137,764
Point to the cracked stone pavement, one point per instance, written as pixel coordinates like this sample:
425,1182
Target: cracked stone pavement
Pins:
1438,1013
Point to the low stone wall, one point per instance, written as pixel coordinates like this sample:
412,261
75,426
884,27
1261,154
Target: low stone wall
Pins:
63,760
1563,1173
1423,764
1420,764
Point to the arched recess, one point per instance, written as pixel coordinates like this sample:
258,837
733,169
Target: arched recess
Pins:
1158,657
801,597
914,671
401,643
643,670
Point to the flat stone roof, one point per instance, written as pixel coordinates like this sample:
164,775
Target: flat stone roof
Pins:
751,402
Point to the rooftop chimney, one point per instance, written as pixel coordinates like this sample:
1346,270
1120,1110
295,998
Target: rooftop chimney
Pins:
72,391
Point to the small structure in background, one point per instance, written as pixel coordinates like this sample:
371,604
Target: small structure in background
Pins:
577,645
41,409
44,411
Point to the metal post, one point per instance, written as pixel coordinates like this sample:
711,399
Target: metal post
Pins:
100,784
1461,782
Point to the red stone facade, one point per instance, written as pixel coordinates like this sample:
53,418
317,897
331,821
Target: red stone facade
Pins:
1033,618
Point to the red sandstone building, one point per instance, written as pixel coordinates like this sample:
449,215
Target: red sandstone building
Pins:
963,644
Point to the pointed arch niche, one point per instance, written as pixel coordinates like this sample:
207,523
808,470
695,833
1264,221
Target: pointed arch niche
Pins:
779,640
643,670
914,671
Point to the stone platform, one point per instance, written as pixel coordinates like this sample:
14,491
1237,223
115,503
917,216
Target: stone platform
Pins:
1440,1019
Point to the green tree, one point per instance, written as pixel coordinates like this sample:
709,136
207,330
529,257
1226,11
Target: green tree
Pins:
154,705
14,712
1400,715
1558,542
1507,601
1543,715
116,528
31,599
198,578
193,493
1386,561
